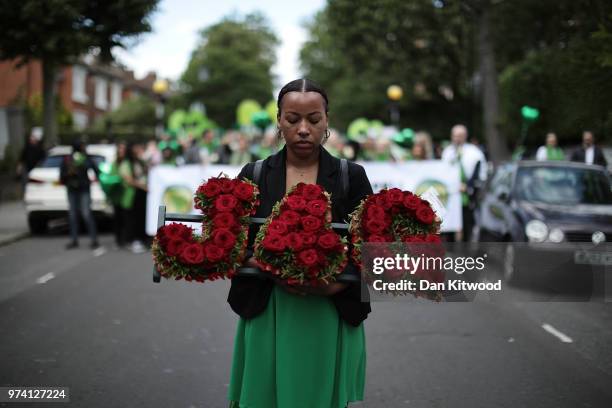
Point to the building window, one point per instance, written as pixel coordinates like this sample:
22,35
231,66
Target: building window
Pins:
80,120
79,82
116,91
101,90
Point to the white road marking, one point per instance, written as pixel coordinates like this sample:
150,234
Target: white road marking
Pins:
45,278
99,251
561,336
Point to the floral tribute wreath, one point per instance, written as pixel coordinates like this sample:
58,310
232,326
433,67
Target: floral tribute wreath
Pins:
226,205
398,217
297,243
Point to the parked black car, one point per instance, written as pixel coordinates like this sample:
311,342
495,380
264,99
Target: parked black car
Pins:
547,213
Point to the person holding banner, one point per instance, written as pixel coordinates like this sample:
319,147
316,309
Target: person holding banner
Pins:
300,346
472,167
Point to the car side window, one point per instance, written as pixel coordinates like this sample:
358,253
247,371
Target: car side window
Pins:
500,181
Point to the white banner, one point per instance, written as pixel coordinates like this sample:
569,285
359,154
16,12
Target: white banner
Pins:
174,187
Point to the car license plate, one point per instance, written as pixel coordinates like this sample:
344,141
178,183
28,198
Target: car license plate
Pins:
585,257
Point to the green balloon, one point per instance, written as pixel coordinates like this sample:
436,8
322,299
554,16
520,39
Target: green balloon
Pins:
176,120
529,113
261,119
272,110
358,129
245,111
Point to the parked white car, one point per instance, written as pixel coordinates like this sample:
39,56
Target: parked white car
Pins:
47,199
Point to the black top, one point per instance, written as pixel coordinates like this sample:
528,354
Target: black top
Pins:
249,296
74,176
579,155
31,155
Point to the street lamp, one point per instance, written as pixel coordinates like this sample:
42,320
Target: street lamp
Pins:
160,88
395,93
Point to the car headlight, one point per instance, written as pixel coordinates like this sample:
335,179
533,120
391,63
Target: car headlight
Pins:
556,235
536,231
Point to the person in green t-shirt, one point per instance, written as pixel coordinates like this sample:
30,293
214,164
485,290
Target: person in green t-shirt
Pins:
550,151
133,171
118,211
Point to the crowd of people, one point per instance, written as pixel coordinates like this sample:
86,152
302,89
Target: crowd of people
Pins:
133,161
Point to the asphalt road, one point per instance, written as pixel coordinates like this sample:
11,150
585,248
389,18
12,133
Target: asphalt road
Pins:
95,322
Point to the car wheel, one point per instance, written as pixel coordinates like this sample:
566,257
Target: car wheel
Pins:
510,270
37,224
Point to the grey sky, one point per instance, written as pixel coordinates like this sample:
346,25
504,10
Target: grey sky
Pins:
175,33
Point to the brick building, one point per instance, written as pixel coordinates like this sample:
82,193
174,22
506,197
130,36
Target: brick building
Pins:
86,89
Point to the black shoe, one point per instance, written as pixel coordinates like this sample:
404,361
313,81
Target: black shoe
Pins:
94,245
72,245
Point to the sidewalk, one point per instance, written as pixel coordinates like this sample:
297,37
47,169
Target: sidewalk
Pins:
13,221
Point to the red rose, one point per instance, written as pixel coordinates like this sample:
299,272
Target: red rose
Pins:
296,202
244,191
329,240
289,217
411,201
316,208
375,226
227,185
212,188
310,223
383,201
162,241
433,238
273,243
213,253
176,231
192,254
294,241
224,220
308,257
298,189
379,238
312,191
425,215
413,238
223,238
225,202
375,211
309,239
277,227
395,195
175,246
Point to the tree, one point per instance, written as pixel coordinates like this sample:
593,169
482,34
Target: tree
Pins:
356,49
136,115
555,55
232,62
57,31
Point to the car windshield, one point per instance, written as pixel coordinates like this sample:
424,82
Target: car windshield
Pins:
56,160
563,186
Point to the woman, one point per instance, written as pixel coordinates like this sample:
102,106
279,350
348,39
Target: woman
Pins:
118,211
133,171
299,346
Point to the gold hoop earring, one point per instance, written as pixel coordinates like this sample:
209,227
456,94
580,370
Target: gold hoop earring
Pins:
327,135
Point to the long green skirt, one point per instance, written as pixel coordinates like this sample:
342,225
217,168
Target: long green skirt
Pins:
297,353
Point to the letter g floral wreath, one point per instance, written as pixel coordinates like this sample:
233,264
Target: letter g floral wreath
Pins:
226,205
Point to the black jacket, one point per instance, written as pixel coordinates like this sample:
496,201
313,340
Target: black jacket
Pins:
75,177
249,296
579,154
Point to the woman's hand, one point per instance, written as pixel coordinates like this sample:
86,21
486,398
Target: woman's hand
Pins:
302,290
